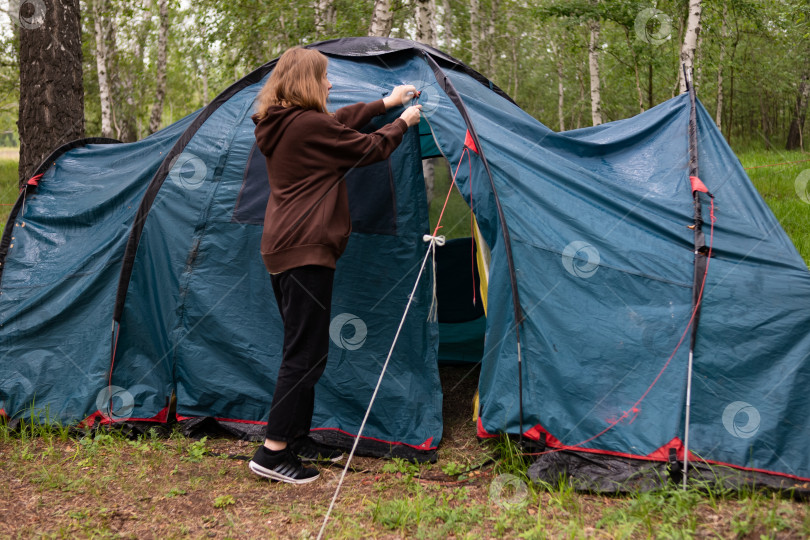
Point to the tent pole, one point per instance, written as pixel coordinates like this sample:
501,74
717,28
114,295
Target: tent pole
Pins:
701,263
520,384
686,430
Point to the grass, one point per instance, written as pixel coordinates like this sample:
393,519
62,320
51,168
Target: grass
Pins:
105,485
778,186
8,186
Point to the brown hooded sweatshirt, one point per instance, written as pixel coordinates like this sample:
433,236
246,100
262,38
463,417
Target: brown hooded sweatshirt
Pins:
308,153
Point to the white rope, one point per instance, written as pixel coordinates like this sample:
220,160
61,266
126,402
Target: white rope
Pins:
433,312
434,241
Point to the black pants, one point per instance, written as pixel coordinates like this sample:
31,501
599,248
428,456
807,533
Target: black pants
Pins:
304,297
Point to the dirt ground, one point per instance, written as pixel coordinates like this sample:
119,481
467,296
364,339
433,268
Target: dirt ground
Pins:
114,489
110,487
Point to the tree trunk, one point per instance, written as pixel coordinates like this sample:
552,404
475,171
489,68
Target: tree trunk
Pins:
515,64
127,81
100,23
731,89
794,139
474,34
698,61
204,66
718,115
635,70
381,19
160,82
447,23
490,38
429,172
730,105
690,40
426,33
557,52
593,63
324,13
425,25
765,121
51,106
581,77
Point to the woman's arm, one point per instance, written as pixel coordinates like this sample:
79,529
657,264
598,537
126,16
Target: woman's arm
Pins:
358,115
349,148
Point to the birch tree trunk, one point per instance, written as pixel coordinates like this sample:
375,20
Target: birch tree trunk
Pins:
160,83
698,61
489,38
718,115
426,33
324,13
51,105
581,77
557,52
635,70
102,61
127,83
690,40
381,19
204,74
593,63
425,22
515,63
474,34
447,23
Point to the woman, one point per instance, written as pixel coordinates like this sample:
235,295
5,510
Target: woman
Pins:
306,228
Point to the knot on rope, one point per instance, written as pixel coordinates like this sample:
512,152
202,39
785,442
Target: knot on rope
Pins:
439,240
435,240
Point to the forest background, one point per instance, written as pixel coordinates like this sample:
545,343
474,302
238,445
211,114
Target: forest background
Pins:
144,64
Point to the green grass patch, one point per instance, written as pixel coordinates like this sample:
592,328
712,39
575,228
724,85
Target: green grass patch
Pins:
103,484
780,183
456,218
8,188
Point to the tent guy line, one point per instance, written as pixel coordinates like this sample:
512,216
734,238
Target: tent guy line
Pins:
434,241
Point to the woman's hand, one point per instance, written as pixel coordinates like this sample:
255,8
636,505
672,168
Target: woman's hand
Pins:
411,115
400,95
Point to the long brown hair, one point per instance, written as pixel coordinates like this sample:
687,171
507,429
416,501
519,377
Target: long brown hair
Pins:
297,80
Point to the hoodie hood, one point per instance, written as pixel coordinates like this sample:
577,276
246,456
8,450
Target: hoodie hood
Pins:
270,129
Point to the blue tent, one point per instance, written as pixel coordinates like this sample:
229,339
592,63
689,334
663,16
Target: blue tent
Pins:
131,273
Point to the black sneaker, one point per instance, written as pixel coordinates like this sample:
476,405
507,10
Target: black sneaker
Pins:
309,450
283,466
